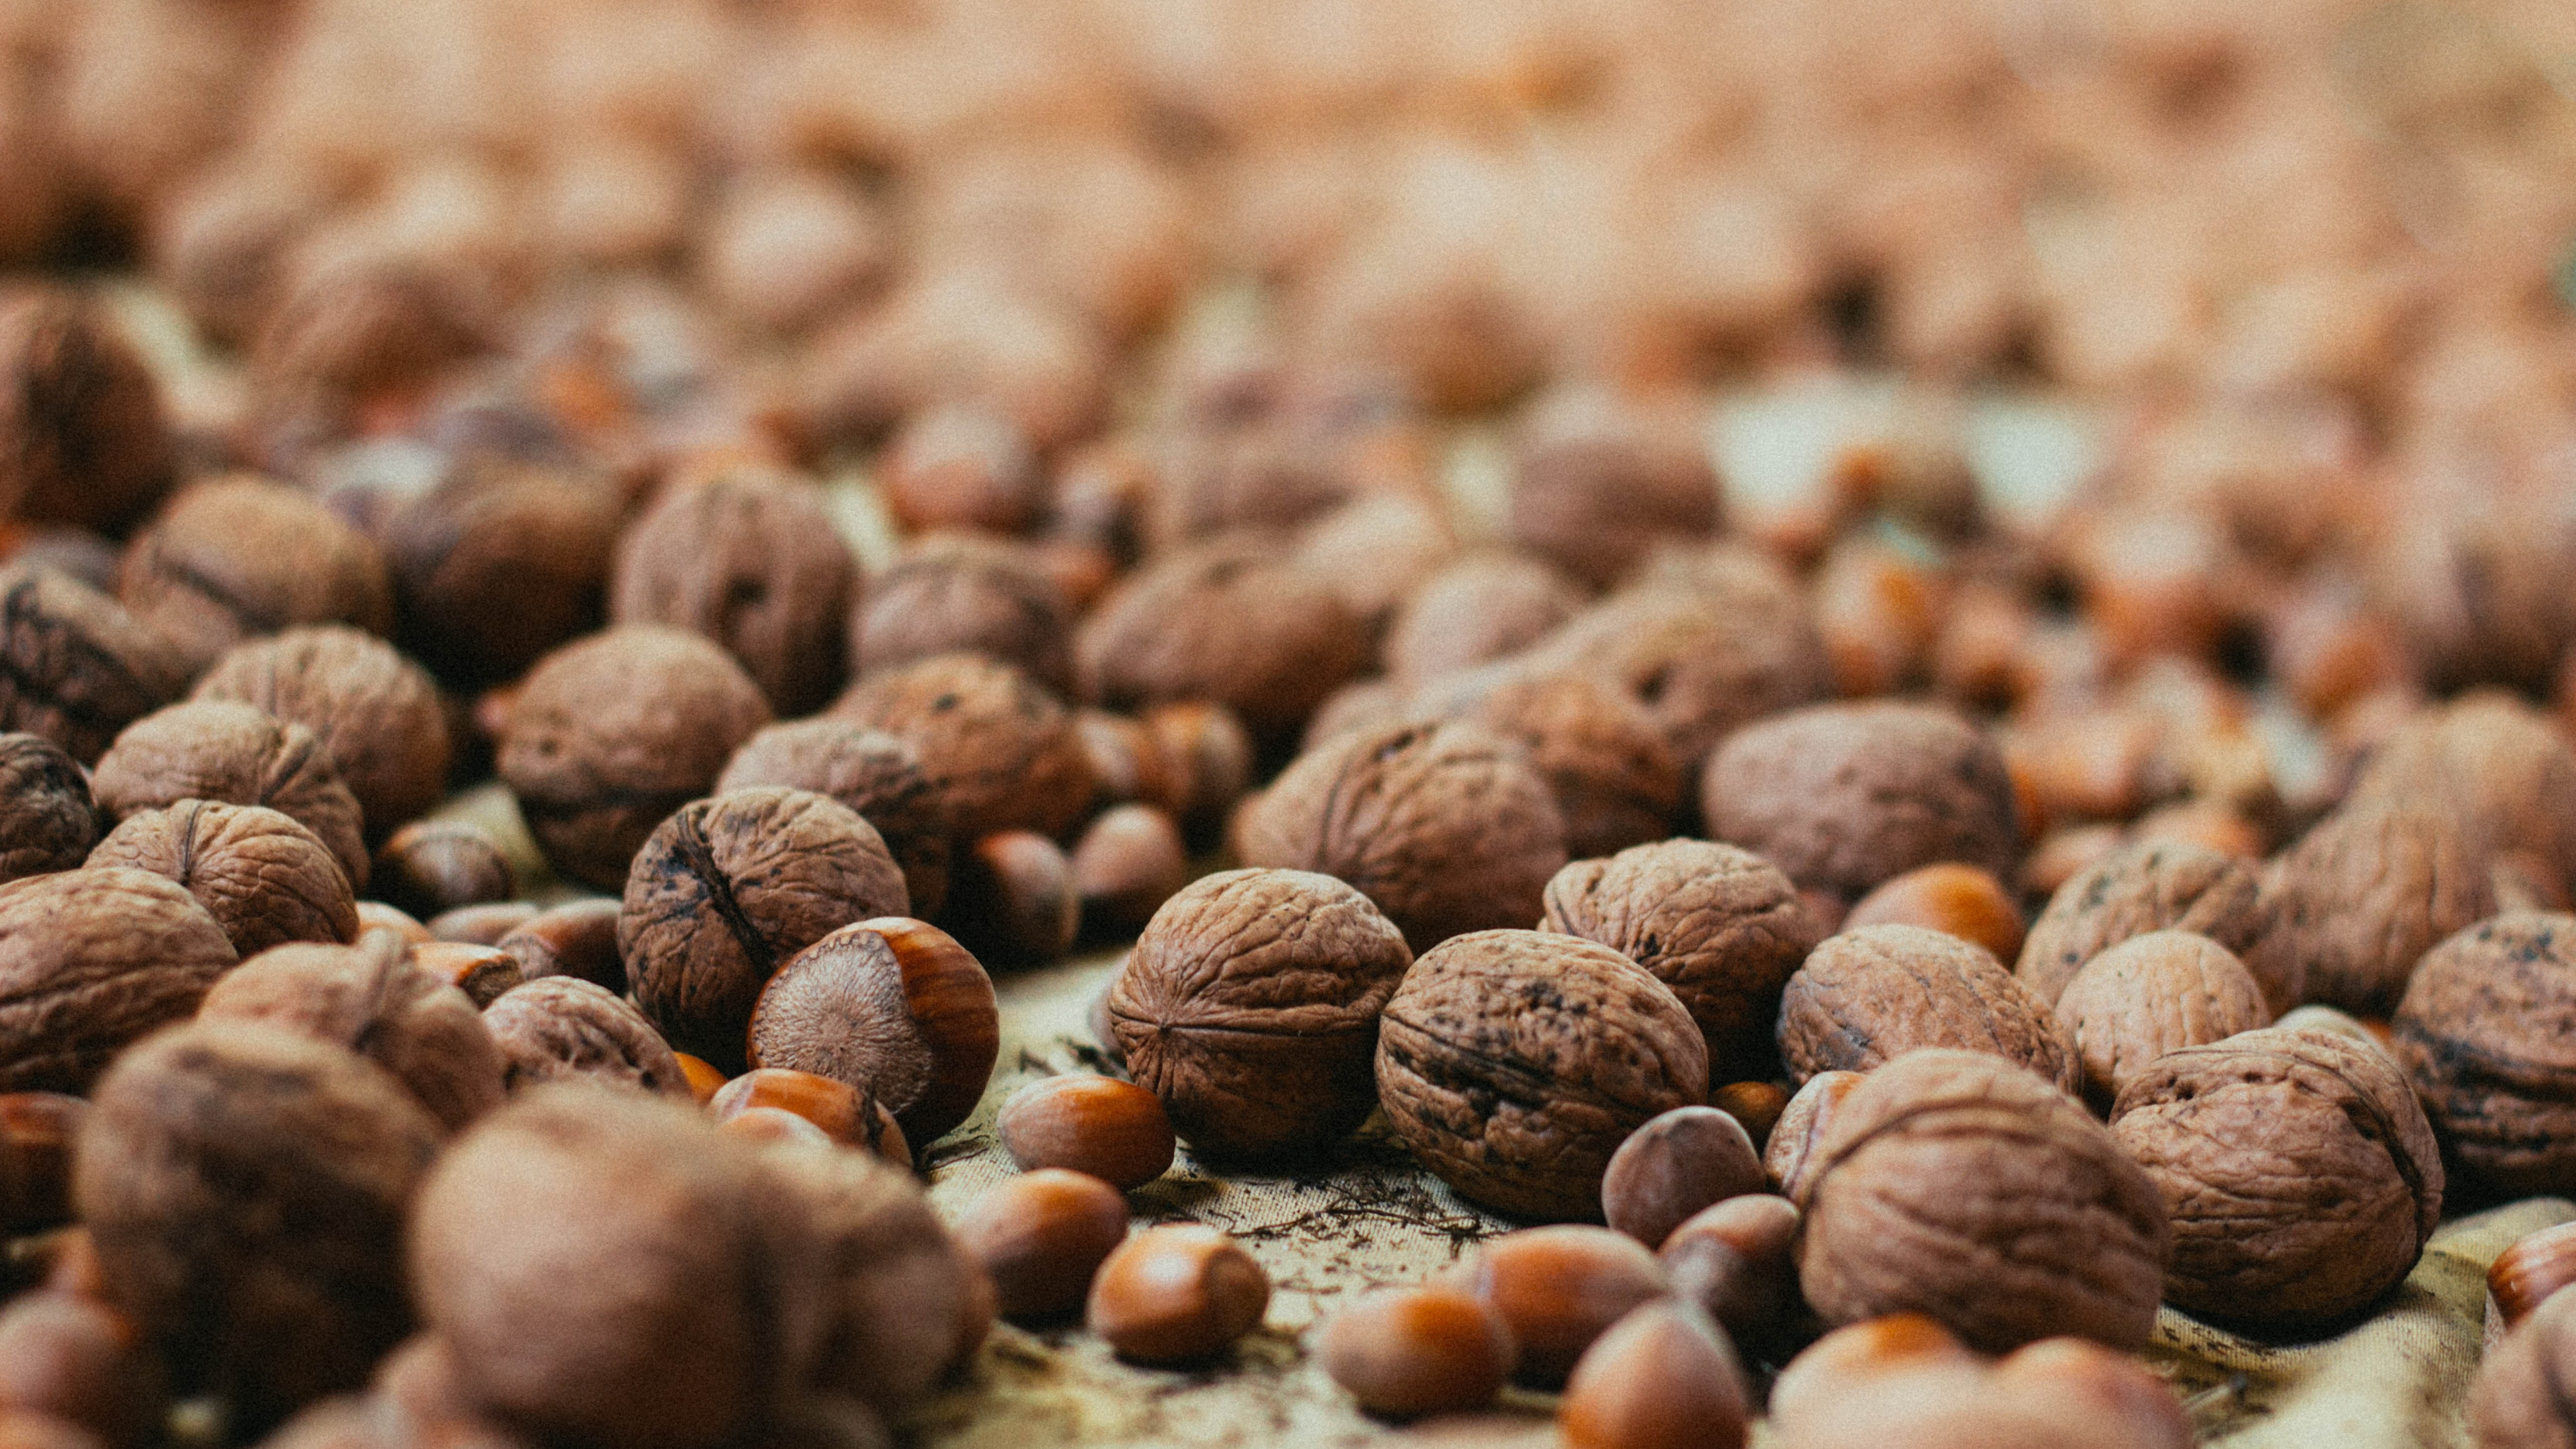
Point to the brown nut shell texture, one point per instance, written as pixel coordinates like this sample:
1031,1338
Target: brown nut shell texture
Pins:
265,879
1001,750
1235,619
47,819
90,960
75,667
376,712
876,774
729,889
753,563
563,1026
893,1007
1445,826
2520,1401
2299,1175
1867,996
1514,1063
2487,1033
2153,885
1250,1007
1721,926
237,753
2365,894
2150,995
1958,1185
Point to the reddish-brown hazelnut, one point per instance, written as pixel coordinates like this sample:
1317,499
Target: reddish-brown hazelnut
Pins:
1959,900
892,1006
1129,860
1041,1237
2531,1272
577,938
1112,1130
1675,1165
1176,1295
1011,899
845,1114
1559,1288
1404,1352
1662,1378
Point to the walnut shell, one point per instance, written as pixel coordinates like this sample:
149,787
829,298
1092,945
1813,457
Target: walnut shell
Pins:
495,568
874,773
562,1026
373,1000
2492,761
1000,750
949,593
1234,619
2364,895
2150,995
239,557
1250,1007
612,733
2487,1033
82,436
265,879
727,890
1444,826
90,960
1720,926
1868,996
236,753
1845,796
47,819
2299,1175
753,563
244,1188
1958,1185
1600,479
1474,611
75,667
2154,885
376,712
1514,1063
1615,779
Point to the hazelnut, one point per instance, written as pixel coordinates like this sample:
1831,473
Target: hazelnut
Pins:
1957,900
560,1026
1738,1259
1844,797
1115,1131
238,754
962,466
998,748
37,1130
1557,1289
77,1360
2478,1038
376,713
1859,1358
2151,886
2531,1272
1662,1378
727,889
2150,995
957,593
1675,1165
483,925
893,1007
1404,1352
1177,1295
91,960
1446,827
481,972
1233,619
2084,1382
237,557
753,563
1129,860
78,667
1718,925
46,816
2515,1402
2364,895
878,775
1756,1105
430,867
1011,899
1250,1007
1803,1123
1867,996
1041,1237
1208,754
377,916
577,938
843,1113
704,1080
775,1127
265,879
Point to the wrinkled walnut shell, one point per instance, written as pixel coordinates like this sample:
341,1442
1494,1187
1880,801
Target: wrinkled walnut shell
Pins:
1868,996
376,712
78,667
1237,620
233,752
874,773
2485,1035
563,1026
47,820
2365,894
2154,885
265,879
999,749
753,563
90,960
2150,995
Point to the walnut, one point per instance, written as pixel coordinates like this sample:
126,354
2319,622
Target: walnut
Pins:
1845,796
1474,611
1720,926
727,890
91,960
1868,996
1614,777
352,330
1374,549
265,879
2300,1176
2492,762
1514,1063
561,1026
376,712
494,568
2364,895
245,1190
2480,1033
1000,750
612,733
372,999
1601,478
876,774
952,592
47,819
236,753
754,563
955,336
2150,995
75,667
2156,885
1958,1185
239,557
1234,619
1250,1007
82,435
1445,827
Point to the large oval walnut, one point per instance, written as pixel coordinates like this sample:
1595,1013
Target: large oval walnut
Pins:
265,879
1845,796
75,667
1445,826
1721,926
1250,1007
2299,1175
47,820
1615,779
238,557
225,750
2487,1033
2518,1402
2492,762
563,1026
2153,885
2365,894
375,711
893,1007
1958,1185
1235,619
245,1190
998,748
1514,1063
1867,996
874,773
727,890
90,960
2150,995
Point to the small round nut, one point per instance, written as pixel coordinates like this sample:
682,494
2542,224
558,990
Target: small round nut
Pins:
2530,1272
430,867
482,925
1757,1105
1803,1123
483,973
1041,1237
1404,1352
37,1130
1011,899
892,1006
1738,1259
1177,1295
1559,1288
577,938
1672,1167
843,1113
1662,1378
2516,1403
993,742
703,1079
1115,1131
1857,1356
1128,862
1958,900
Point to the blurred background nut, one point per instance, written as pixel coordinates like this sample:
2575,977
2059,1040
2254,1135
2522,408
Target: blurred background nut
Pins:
1177,1295
2473,1034
46,815
1112,1130
752,562
241,755
80,668
83,439
951,592
1041,1237
878,775
2513,1402
1129,860
843,1113
1475,610
893,1007
998,748
433,866
1757,1105
960,466
494,568
76,1360
1957,900
2365,894
2152,886
481,972
1663,1377
1012,899
1557,1289
1404,1352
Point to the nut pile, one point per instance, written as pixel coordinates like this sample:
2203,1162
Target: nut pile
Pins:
891,494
